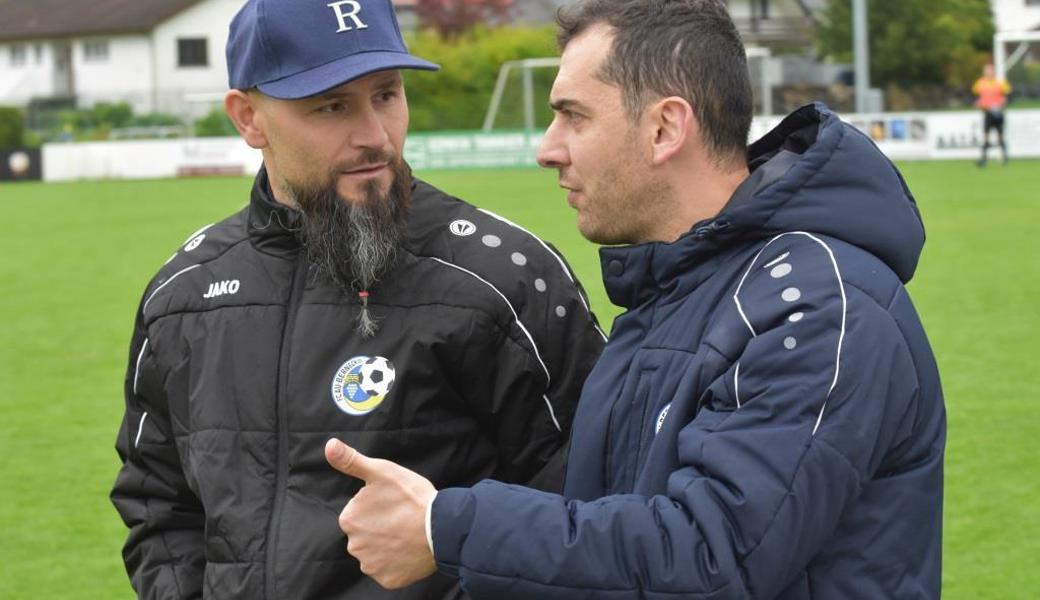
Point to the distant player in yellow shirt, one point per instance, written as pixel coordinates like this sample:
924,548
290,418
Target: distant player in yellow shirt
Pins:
992,98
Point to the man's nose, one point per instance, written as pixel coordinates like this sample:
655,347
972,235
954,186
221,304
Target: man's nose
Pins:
370,131
551,152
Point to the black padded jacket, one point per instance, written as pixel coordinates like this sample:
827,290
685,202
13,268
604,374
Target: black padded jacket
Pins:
243,363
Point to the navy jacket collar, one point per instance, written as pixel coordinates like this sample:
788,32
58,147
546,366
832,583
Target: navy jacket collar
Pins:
812,173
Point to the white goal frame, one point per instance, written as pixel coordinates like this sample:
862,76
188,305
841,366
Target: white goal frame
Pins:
528,65
1002,61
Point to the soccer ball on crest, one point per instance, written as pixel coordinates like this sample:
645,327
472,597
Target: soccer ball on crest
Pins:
376,376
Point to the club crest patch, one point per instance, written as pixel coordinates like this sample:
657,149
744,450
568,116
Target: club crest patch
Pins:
362,383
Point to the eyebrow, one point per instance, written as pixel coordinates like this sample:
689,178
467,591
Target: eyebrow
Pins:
388,82
566,104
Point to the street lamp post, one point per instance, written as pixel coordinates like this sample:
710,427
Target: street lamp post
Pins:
861,50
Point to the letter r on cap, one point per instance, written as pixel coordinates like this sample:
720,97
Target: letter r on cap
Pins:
354,7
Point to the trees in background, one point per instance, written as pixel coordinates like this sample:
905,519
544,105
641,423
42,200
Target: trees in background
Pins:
451,18
914,42
12,127
457,96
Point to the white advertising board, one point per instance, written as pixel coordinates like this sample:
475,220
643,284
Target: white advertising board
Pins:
901,136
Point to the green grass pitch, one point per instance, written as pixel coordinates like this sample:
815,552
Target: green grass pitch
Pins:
75,258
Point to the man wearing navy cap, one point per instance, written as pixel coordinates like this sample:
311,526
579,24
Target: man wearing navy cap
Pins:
347,299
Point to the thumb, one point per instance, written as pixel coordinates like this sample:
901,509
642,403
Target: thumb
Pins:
349,461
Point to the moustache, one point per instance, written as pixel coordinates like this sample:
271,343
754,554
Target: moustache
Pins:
368,158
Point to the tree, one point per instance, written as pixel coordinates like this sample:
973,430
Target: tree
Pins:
12,127
914,42
452,17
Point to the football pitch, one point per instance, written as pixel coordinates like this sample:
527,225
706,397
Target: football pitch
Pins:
76,257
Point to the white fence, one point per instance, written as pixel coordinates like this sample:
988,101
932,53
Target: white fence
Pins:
902,136
937,135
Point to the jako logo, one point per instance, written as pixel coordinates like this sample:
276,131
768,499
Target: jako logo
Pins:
355,8
462,228
222,288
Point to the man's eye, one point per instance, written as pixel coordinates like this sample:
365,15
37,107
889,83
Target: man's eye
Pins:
387,96
334,107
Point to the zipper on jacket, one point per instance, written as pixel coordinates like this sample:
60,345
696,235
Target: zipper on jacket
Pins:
299,282
711,228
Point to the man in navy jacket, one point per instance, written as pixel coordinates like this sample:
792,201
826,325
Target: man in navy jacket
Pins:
766,420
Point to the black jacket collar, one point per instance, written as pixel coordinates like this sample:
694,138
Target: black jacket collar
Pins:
271,224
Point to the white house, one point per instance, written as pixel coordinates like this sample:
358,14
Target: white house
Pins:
775,22
1016,15
158,55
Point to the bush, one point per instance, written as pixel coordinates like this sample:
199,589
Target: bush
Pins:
12,127
154,120
457,96
1025,77
102,115
215,124
99,121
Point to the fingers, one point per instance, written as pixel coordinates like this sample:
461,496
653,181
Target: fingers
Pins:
349,461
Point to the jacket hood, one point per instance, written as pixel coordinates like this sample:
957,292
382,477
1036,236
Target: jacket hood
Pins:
815,173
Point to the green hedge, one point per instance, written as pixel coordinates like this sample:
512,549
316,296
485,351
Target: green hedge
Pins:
457,96
215,124
12,127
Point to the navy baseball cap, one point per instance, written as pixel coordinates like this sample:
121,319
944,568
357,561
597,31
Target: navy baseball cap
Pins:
293,49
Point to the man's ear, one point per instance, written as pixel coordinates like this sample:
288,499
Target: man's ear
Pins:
674,125
245,113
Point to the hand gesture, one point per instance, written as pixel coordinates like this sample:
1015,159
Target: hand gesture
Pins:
385,522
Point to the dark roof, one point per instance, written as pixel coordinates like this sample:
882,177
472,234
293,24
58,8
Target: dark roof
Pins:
34,19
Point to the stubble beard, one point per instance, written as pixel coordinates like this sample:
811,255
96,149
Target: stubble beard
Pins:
354,242
625,206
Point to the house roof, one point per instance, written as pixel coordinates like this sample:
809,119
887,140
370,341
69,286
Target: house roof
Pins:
34,19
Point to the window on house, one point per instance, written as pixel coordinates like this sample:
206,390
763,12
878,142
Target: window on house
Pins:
192,52
19,55
95,50
1032,2
38,52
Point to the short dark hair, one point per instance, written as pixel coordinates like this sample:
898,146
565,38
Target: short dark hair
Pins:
685,48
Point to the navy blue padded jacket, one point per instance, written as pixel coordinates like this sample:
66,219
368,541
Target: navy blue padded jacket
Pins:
766,420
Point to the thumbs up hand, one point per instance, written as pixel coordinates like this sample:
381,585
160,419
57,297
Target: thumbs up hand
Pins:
385,522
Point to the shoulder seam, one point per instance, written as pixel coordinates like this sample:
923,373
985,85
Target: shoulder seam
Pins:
559,260
224,251
523,328
844,309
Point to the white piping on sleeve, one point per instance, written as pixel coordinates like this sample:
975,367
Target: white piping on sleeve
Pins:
558,258
140,428
516,317
552,413
776,260
166,283
137,365
736,294
736,384
844,309
841,335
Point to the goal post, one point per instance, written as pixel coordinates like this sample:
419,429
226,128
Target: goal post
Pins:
1002,60
758,63
526,67
760,68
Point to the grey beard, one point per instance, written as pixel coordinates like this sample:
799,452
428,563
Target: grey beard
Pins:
354,243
